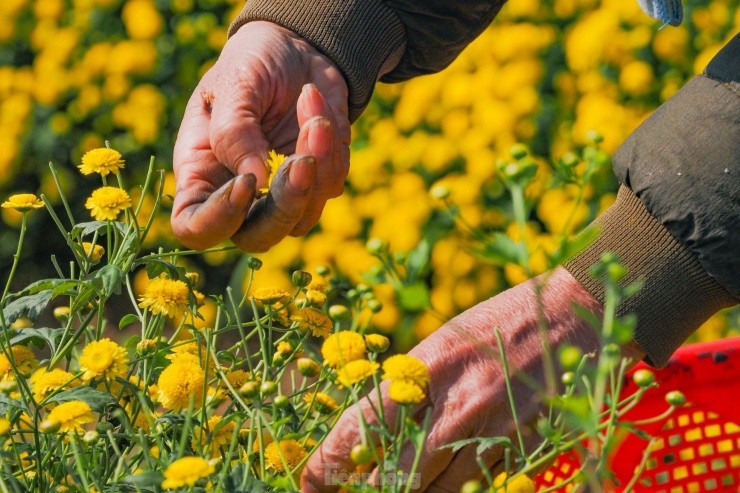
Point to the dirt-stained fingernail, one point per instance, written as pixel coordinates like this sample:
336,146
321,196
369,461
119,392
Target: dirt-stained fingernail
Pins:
301,173
242,190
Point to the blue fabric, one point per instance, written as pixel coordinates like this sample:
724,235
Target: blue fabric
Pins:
666,11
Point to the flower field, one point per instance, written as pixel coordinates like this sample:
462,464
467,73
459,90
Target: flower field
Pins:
130,364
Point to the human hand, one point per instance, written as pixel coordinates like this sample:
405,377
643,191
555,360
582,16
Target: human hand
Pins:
467,394
269,89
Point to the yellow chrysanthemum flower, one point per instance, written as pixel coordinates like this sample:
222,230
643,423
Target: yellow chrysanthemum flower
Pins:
405,392
101,161
164,296
23,202
178,383
106,203
273,163
103,358
25,363
45,382
270,295
520,484
314,320
93,252
237,378
356,371
406,368
186,471
216,436
341,348
321,402
291,451
4,427
71,416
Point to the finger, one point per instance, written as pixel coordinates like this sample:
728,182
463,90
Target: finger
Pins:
273,217
331,463
236,134
202,219
322,144
209,206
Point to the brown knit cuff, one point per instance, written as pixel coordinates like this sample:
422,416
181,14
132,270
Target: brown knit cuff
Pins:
357,35
677,296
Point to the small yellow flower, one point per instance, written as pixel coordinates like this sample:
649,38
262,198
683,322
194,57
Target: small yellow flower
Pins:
321,402
164,296
291,451
71,416
274,161
93,252
216,436
405,392
186,471
237,378
377,343
270,296
45,382
101,161
103,358
4,427
25,363
180,382
356,371
520,484
315,297
106,203
314,320
406,368
23,202
342,347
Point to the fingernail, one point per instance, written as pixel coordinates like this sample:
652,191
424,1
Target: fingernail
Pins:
308,88
240,198
318,134
300,174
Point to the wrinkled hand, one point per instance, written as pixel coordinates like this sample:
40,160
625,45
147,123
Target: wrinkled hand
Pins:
467,394
269,89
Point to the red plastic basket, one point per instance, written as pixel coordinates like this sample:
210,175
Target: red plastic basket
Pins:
697,448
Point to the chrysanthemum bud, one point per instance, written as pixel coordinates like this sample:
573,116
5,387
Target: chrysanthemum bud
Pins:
377,343
361,454
61,313
339,313
374,305
308,367
21,323
249,390
594,137
471,486
643,377
322,270
254,263
268,387
8,386
193,277
675,398
375,246
280,401
439,192
49,426
301,278
90,437
518,151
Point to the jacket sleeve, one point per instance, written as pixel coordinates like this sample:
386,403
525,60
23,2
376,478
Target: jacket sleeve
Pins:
676,221
370,40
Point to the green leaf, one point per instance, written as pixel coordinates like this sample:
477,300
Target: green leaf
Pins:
418,259
414,297
66,288
88,228
499,250
144,479
484,443
27,306
38,336
127,320
572,247
107,280
155,267
96,399
6,404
